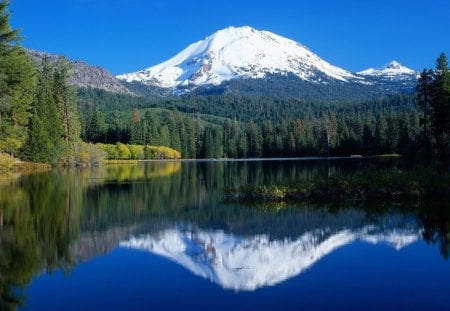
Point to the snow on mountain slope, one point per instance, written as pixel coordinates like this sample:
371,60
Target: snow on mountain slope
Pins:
237,52
393,70
248,263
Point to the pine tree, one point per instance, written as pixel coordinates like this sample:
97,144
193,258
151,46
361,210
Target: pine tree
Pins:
66,103
46,109
190,138
242,145
268,136
380,136
329,124
151,130
290,144
208,144
96,129
441,106
37,147
137,128
174,131
164,135
254,140
17,82
441,94
424,97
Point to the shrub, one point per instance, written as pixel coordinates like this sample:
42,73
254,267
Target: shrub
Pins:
85,154
10,145
137,152
123,151
6,161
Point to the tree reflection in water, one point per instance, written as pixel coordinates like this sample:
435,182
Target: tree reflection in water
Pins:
56,219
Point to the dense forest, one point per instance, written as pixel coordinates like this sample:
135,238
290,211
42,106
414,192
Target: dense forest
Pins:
39,118
235,126
386,126
433,98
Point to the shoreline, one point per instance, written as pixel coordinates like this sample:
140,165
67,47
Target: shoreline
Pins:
306,158
13,165
22,166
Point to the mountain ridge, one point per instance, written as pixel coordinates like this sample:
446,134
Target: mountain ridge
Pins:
245,61
85,75
236,54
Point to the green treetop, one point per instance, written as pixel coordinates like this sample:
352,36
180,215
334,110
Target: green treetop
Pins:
17,84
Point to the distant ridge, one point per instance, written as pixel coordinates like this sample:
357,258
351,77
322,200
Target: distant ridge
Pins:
394,71
88,76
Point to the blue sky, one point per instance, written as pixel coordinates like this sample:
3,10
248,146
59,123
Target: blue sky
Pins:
129,35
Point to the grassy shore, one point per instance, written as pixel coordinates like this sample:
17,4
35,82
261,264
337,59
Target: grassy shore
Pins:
360,186
9,163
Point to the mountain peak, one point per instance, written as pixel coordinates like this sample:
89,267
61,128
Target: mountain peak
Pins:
390,70
393,65
234,53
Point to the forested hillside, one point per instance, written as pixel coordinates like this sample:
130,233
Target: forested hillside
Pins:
252,126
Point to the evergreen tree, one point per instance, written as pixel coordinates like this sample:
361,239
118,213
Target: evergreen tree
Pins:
368,140
268,136
254,140
151,130
190,139
38,146
212,147
164,135
208,145
329,124
137,128
66,103
17,83
46,109
393,135
96,128
242,147
381,138
424,97
115,131
174,130
433,98
441,105
290,144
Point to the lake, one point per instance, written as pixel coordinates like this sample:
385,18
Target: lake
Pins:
162,236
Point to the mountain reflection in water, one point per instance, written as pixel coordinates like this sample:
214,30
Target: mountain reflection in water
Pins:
64,220
248,263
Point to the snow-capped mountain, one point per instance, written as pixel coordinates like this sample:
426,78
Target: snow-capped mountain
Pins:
247,263
392,71
239,52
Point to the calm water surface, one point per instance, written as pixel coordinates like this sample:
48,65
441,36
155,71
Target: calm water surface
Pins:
161,236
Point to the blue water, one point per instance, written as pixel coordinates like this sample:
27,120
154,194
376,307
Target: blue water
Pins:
161,236
357,277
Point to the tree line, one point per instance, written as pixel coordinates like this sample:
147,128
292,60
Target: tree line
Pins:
433,98
330,134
